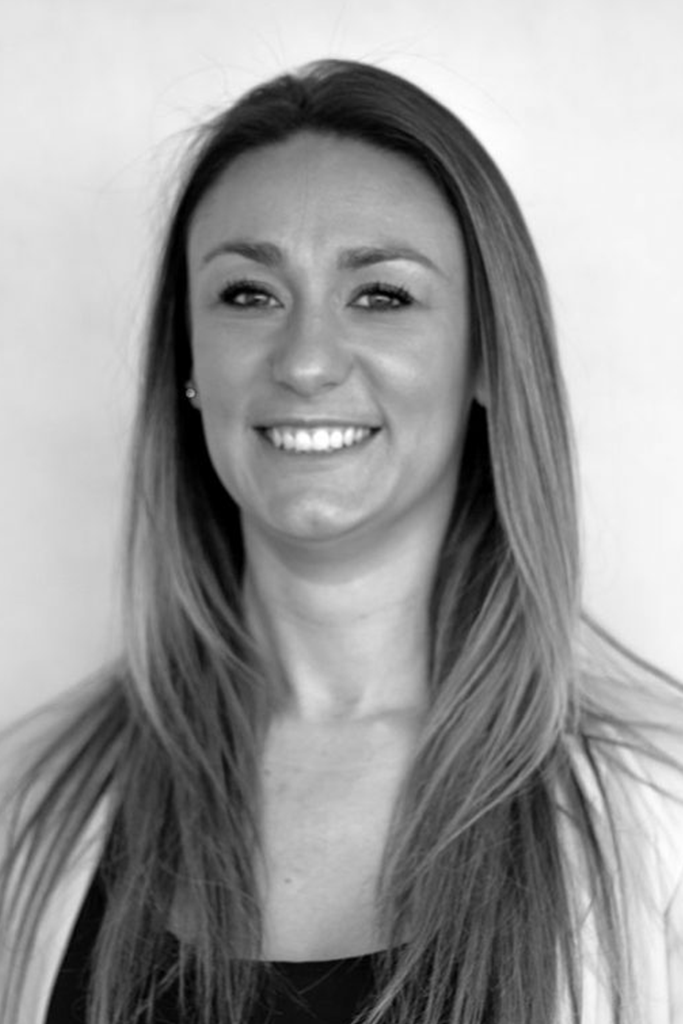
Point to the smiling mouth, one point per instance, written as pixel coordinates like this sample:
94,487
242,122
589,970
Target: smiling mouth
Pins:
317,440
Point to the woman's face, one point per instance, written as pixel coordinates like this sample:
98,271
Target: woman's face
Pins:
330,341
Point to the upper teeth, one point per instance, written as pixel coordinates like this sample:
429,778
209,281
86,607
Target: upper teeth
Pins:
320,439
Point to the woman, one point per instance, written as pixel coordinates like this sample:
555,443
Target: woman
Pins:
363,754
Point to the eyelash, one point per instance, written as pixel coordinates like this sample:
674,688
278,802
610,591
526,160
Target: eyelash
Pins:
393,291
246,287
235,288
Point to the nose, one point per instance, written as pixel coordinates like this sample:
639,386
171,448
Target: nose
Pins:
310,354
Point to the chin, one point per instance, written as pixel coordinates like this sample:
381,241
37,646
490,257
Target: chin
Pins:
315,521
317,528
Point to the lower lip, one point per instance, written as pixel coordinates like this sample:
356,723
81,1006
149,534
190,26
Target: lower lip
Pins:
313,455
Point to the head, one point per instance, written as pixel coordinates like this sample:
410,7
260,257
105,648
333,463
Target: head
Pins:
515,491
322,322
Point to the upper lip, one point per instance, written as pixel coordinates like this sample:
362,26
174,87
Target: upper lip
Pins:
304,423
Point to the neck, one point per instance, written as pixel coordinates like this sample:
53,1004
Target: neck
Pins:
347,637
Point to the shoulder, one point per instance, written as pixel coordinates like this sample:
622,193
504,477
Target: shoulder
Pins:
37,755
37,908
25,780
652,839
657,789
635,798
35,747
22,745
633,793
636,791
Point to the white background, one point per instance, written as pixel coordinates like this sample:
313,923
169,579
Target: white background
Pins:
579,101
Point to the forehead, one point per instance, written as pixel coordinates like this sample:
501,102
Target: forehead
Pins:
326,190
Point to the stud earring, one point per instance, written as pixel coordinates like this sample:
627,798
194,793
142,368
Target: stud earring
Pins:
190,390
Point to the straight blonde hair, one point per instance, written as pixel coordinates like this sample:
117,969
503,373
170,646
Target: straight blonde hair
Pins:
171,733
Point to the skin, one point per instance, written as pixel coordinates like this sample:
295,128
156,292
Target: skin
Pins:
341,548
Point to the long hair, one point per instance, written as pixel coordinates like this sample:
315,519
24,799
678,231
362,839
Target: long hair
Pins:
475,870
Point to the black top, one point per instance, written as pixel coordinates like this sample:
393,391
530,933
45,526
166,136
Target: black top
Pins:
318,992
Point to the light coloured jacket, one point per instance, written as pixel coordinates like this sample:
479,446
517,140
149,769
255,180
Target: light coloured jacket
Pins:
652,842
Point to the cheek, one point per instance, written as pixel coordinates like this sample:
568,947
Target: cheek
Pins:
225,374
222,410
439,397
218,443
432,382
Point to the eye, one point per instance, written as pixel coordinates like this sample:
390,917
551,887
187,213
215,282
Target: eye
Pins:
380,297
246,294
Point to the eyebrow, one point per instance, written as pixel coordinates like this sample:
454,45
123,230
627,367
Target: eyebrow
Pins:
271,255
